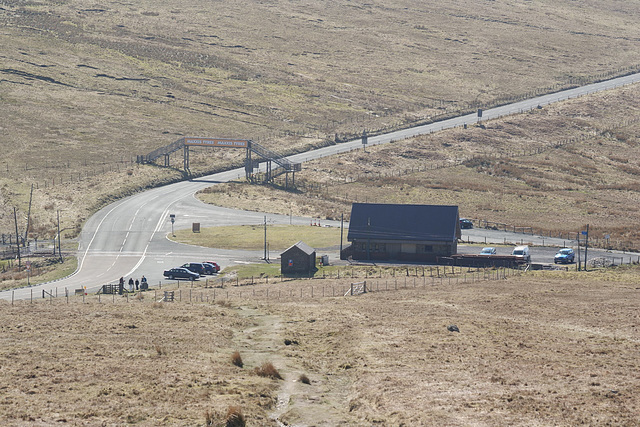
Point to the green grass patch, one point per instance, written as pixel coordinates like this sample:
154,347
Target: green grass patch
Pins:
251,237
247,271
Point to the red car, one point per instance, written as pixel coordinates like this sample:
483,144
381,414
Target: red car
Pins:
216,267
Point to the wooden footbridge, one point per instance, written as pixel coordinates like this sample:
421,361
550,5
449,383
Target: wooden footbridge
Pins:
255,154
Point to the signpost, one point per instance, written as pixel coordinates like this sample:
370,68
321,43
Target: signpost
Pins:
365,140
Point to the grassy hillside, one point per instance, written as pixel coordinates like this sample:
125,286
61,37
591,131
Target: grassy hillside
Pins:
555,169
548,349
86,87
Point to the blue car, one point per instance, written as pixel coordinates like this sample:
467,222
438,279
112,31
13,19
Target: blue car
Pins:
564,256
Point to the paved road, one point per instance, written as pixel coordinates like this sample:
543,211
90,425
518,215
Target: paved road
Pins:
128,237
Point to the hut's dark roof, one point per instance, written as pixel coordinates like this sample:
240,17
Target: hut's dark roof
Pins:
302,246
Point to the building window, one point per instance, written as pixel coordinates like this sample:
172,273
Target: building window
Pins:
377,247
428,248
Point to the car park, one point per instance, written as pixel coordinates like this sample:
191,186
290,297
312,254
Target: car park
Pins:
488,251
466,223
564,256
180,273
196,267
215,265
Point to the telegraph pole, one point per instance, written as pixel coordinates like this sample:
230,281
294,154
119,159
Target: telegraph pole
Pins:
15,218
266,256
26,232
341,232
59,237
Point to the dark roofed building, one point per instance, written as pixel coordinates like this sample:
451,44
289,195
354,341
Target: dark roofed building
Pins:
297,259
402,232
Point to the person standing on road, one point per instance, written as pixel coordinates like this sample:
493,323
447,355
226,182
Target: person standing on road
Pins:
143,283
131,284
137,284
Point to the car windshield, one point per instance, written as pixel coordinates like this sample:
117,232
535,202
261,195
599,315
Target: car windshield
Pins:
565,251
487,250
518,252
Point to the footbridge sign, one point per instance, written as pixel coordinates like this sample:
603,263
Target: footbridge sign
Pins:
217,142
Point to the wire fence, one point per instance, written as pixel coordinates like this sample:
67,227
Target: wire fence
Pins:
278,288
323,284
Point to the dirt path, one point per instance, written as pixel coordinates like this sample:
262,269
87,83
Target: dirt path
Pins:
298,405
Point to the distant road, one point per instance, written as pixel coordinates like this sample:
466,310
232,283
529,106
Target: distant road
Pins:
128,237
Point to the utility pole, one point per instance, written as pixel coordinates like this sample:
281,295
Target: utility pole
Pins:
266,256
26,232
341,232
59,237
15,218
578,240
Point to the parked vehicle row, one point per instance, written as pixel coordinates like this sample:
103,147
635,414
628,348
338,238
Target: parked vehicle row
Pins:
564,255
192,270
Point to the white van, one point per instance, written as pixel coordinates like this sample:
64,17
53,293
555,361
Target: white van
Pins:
522,251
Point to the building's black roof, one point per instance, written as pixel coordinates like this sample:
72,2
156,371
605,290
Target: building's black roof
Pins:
403,222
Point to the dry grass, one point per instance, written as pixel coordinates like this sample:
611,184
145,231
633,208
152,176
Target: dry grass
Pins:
236,359
42,270
534,349
523,170
267,370
304,379
86,89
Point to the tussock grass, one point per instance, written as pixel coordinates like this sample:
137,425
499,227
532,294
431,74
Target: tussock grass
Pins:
236,359
304,379
233,418
268,370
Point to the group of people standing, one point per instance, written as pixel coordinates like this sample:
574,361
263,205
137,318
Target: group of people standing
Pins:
139,284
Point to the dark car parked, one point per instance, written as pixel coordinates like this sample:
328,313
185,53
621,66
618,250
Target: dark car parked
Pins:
465,223
564,256
209,268
214,264
180,273
196,267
